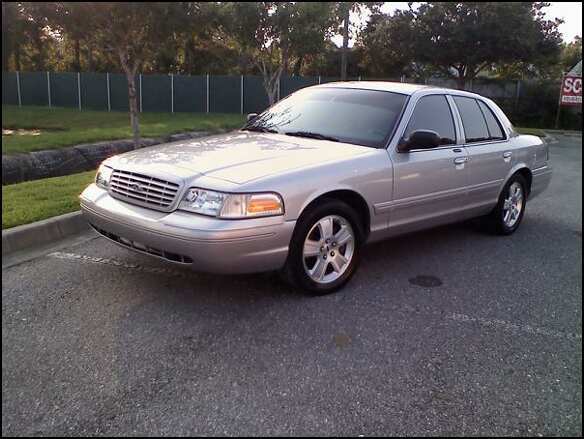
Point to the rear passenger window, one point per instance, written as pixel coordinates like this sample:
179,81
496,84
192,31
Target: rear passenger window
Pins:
433,113
475,126
495,130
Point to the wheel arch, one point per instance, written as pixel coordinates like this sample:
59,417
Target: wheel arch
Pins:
523,170
348,196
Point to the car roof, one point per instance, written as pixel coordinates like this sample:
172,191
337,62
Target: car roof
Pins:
397,87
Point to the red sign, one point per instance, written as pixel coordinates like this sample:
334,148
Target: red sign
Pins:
571,90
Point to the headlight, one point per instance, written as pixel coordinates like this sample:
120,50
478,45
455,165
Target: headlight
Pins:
223,205
103,176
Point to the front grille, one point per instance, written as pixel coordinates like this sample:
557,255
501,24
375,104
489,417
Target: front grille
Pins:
143,190
169,256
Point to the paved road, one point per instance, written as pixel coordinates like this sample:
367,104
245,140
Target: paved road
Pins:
447,332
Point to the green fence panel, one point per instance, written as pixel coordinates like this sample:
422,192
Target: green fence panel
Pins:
64,92
33,88
156,93
325,79
255,98
94,91
9,89
190,95
119,92
291,84
225,94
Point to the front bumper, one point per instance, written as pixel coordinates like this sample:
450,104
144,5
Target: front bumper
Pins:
204,243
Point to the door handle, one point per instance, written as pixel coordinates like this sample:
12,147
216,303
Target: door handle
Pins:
507,154
460,160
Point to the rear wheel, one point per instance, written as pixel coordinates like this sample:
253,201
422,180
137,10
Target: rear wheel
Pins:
507,215
325,248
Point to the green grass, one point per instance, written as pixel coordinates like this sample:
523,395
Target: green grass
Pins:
24,203
60,127
531,131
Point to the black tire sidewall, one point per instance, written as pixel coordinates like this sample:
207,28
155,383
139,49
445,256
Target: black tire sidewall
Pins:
295,263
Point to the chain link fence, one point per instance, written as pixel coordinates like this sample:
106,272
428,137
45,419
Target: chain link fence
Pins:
527,103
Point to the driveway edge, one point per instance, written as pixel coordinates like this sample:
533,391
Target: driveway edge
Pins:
42,232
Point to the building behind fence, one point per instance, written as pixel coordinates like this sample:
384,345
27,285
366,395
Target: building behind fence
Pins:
527,103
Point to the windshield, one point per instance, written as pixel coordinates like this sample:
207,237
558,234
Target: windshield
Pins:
361,117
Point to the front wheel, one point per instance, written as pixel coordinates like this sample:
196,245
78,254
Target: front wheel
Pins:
325,248
507,215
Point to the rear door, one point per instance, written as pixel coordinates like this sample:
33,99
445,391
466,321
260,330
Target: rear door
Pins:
490,155
430,184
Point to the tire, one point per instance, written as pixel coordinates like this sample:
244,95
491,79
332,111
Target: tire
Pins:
304,266
499,221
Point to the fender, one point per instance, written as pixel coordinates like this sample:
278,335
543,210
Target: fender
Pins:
328,189
517,167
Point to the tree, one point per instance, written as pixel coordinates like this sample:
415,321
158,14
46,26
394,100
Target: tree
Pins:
253,28
191,29
74,20
343,15
13,34
131,31
571,54
35,24
463,39
311,28
269,34
386,44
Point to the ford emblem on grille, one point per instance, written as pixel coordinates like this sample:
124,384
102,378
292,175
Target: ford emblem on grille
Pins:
136,187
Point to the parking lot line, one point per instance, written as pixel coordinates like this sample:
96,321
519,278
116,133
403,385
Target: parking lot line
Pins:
120,264
455,317
513,327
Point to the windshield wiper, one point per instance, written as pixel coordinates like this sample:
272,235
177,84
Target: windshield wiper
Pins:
260,129
312,135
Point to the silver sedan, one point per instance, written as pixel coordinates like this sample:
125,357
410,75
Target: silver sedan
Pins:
302,186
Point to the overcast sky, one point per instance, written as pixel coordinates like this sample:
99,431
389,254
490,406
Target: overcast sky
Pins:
570,12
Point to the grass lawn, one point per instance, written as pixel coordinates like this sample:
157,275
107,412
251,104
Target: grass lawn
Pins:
38,128
24,203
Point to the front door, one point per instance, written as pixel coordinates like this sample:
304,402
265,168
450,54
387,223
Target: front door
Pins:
429,184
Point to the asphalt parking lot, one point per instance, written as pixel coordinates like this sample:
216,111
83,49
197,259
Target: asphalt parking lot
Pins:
449,331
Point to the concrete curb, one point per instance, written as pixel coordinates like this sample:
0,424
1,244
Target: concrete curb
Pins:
569,133
549,139
43,232
37,165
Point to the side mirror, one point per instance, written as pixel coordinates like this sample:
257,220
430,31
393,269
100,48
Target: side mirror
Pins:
420,139
251,116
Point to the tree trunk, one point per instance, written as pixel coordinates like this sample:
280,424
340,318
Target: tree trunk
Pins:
134,110
17,65
461,82
271,86
285,58
77,53
89,58
298,65
130,70
345,45
462,75
271,82
40,47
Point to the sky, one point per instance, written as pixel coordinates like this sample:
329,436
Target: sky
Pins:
570,12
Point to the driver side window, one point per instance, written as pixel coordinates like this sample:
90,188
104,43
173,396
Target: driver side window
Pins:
433,113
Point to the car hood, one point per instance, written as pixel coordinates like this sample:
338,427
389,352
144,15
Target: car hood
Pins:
238,157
